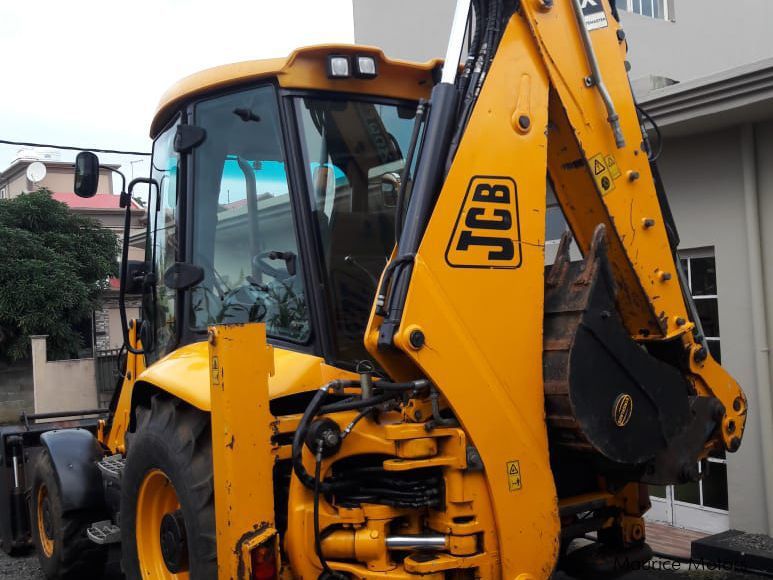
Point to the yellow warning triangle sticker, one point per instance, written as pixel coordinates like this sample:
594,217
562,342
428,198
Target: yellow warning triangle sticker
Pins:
513,469
598,167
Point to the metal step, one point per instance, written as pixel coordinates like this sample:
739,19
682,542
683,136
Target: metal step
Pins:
112,466
104,532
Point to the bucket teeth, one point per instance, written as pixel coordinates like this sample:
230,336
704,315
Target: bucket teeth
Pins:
596,259
568,284
562,260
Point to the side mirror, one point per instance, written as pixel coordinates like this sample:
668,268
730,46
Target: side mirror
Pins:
86,174
390,188
319,181
135,276
182,275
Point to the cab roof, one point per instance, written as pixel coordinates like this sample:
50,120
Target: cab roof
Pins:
306,68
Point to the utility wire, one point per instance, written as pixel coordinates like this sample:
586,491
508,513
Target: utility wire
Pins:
24,144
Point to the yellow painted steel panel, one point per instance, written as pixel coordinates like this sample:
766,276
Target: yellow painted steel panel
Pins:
185,373
239,364
483,323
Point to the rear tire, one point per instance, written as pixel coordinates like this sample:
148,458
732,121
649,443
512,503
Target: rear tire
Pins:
64,550
168,470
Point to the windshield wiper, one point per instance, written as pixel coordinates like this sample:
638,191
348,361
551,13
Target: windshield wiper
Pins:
350,260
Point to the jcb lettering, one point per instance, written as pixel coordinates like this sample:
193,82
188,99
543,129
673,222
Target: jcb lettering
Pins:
487,230
491,193
504,246
475,219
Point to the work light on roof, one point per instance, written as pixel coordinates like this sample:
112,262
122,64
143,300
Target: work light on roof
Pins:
339,66
365,67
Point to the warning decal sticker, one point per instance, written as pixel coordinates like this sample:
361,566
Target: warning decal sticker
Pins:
598,167
605,171
614,170
514,475
215,374
594,15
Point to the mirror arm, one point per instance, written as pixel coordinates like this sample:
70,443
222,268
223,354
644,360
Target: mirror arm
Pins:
124,273
125,202
123,178
126,195
147,180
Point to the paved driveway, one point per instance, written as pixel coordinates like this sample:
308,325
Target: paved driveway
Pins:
26,568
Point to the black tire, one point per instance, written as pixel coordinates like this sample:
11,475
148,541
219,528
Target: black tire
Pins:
174,438
65,553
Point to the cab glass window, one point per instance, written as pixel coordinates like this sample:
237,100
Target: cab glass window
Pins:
243,227
159,308
354,158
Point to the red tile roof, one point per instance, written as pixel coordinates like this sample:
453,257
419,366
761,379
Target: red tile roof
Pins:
100,201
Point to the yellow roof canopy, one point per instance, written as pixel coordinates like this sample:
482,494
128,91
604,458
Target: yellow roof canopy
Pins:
306,68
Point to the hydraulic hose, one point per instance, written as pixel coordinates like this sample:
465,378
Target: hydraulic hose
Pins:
478,10
315,408
381,297
360,416
317,537
411,385
353,405
653,155
300,434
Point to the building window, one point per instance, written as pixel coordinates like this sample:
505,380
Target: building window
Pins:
660,9
699,267
710,493
555,222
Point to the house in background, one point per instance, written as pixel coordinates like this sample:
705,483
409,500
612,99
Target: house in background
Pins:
57,177
103,332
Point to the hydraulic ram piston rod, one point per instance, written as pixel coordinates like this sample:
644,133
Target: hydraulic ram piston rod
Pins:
433,542
455,42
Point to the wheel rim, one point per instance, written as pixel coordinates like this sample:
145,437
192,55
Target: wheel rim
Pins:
45,523
157,498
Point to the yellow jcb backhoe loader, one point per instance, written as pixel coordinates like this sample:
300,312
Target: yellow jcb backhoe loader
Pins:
352,361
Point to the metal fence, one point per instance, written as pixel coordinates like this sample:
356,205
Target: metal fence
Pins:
107,373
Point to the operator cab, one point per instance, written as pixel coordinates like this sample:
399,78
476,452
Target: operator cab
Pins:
279,187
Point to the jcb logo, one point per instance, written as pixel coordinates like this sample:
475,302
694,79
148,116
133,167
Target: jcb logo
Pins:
487,232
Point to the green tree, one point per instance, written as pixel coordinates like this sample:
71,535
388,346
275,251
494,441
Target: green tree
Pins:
54,266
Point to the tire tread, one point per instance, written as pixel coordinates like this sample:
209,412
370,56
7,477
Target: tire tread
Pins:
75,557
186,431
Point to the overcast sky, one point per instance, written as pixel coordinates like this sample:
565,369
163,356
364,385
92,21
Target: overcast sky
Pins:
90,72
